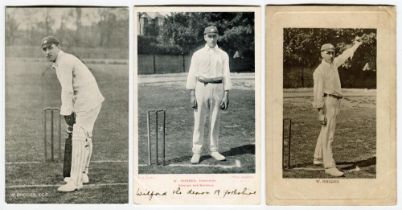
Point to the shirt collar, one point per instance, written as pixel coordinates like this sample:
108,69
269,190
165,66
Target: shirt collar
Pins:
208,48
326,63
61,53
55,63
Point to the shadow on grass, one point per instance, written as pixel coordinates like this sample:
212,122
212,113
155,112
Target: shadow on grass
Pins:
349,164
361,163
242,150
367,170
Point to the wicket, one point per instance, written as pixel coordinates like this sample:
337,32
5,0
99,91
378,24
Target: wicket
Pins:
51,111
156,111
287,166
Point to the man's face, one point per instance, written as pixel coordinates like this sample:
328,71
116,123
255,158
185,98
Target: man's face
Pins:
51,52
328,56
211,39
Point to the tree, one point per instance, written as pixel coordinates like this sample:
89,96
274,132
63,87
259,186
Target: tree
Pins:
11,28
75,27
48,22
106,25
78,25
64,33
238,34
301,45
185,30
45,27
301,49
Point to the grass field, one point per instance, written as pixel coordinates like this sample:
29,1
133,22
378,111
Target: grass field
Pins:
355,136
29,179
237,136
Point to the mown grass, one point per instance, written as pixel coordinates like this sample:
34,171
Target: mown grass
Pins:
28,91
237,136
355,136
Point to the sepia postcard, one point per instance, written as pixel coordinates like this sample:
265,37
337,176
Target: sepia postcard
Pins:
330,105
197,95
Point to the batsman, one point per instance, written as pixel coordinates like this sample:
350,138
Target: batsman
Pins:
81,102
209,83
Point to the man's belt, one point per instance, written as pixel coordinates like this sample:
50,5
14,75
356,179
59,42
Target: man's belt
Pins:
213,81
332,95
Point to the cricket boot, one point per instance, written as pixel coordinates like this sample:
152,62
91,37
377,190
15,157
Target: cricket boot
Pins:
218,156
334,172
196,158
318,162
85,179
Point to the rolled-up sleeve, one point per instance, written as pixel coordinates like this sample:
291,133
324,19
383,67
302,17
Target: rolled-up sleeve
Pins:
348,53
65,75
318,90
192,78
227,82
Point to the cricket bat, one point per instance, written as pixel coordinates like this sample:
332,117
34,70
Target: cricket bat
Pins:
68,148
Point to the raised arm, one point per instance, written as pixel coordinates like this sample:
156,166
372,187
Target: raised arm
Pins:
348,53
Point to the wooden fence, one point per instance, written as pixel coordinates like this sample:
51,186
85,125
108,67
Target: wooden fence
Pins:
162,64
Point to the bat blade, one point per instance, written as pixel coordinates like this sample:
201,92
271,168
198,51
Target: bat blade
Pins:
68,148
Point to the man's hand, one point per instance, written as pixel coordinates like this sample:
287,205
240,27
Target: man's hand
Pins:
70,119
193,100
70,129
321,117
225,101
358,40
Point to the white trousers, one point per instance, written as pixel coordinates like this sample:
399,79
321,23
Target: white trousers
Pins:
209,97
323,149
82,143
86,119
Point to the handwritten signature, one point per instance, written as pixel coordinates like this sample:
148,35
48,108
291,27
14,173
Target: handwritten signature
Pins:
245,191
150,193
216,192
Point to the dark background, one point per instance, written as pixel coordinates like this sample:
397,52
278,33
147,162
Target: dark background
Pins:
166,41
301,55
